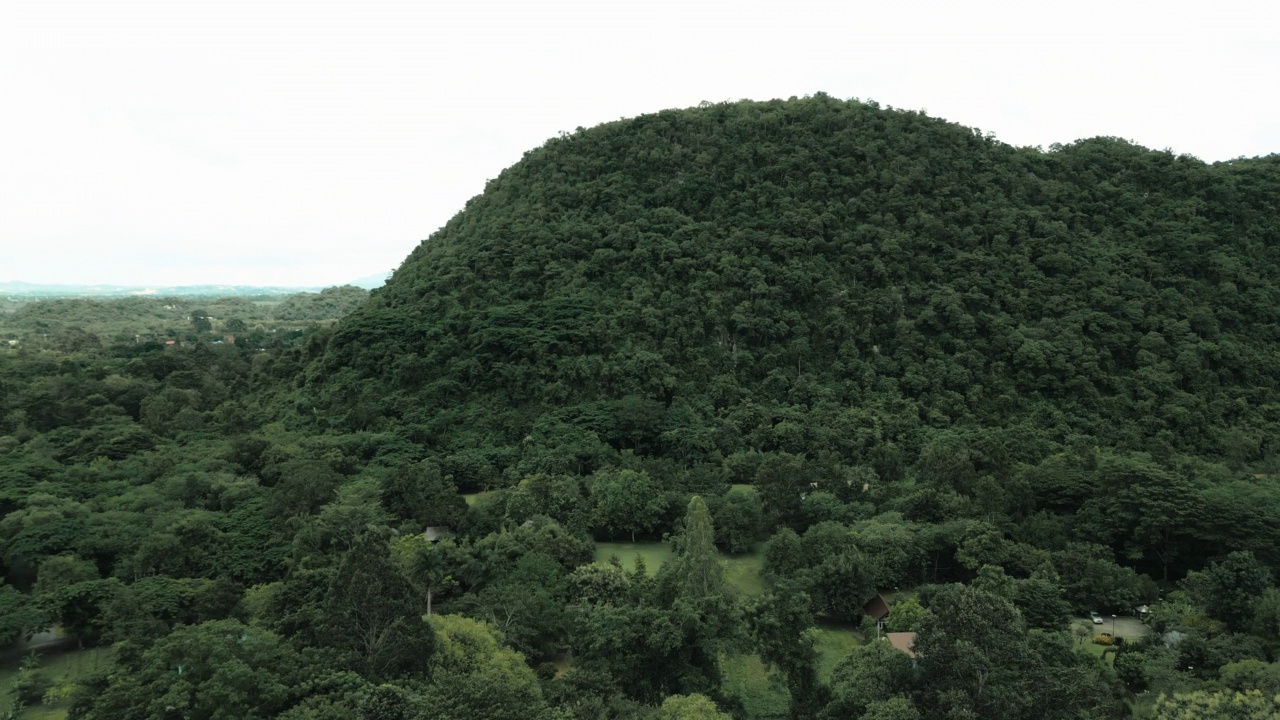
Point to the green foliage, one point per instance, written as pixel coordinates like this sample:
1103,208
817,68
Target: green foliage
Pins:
1230,588
422,494
474,676
872,673
739,517
625,501
216,669
972,670
1201,705
328,304
690,707
372,611
19,616
780,624
906,615
1252,674
912,354
695,571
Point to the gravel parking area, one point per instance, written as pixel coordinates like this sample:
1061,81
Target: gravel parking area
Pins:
1125,626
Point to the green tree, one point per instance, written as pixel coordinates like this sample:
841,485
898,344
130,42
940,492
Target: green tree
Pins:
431,565
421,493
970,671
906,615
475,676
783,554
219,669
81,609
1252,674
781,626
1041,603
869,674
19,616
696,572
894,708
1229,590
302,485
372,611
1266,619
739,517
782,480
690,707
625,501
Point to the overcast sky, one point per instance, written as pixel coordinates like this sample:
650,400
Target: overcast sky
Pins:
313,143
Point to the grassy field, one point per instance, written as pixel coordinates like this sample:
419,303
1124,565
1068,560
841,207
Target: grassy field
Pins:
743,571
654,553
834,641
763,694
473,498
740,571
63,668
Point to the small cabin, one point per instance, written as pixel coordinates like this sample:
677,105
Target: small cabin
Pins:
877,608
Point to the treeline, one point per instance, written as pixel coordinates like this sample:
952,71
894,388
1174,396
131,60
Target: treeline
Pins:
62,323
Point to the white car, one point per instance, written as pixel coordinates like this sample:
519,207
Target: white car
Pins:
1096,618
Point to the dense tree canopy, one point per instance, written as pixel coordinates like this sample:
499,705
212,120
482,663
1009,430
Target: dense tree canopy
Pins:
797,354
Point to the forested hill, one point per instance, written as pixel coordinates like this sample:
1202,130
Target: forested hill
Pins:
836,279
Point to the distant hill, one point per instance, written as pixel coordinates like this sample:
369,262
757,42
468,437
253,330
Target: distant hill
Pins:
371,282
33,290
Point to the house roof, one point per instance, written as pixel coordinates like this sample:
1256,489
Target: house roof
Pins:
903,641
877,607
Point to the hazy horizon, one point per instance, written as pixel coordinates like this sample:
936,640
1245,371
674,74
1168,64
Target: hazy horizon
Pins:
251,143
360,281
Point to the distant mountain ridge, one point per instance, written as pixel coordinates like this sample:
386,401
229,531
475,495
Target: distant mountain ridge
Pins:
57,290
371,282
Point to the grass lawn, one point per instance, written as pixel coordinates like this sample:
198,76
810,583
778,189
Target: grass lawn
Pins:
834,641
740,571
762,692
1096,650
654,554
63,668
473,498
743,571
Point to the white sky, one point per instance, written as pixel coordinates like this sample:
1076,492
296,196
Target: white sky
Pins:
311,143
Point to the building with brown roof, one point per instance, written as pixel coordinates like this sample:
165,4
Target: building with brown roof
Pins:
877,608
903,642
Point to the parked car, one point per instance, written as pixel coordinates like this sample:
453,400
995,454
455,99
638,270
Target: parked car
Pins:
1095,617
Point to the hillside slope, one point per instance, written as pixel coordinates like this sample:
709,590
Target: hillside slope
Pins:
835,279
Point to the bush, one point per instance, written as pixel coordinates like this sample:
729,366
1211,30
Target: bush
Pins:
30,686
